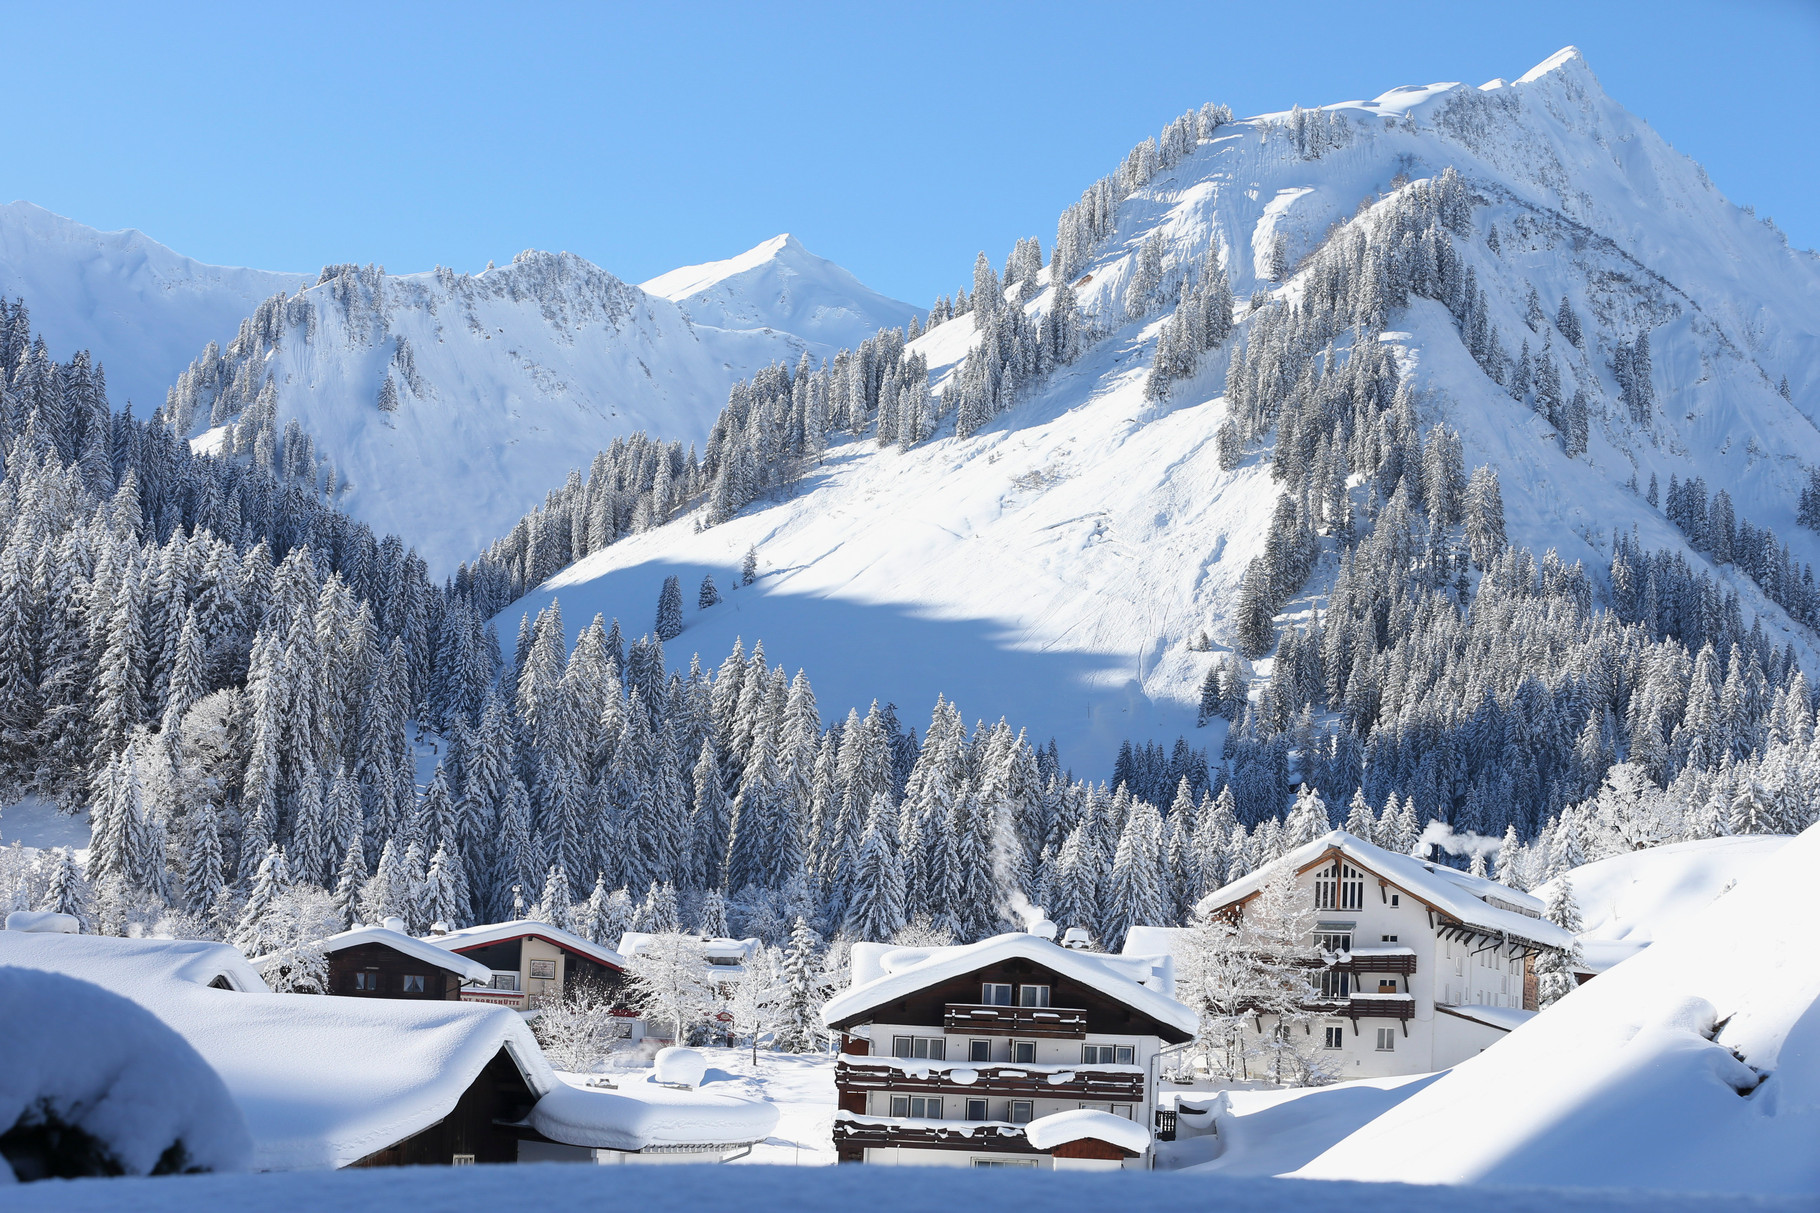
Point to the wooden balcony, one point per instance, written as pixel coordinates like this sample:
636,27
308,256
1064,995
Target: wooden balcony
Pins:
1365,1006
1122,1084
998,1137
1069,1023
1388,962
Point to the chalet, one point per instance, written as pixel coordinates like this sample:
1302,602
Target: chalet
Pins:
384,962
527,960
1419,967
337,1082
1010,1052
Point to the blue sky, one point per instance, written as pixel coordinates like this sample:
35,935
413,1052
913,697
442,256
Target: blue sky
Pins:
897,139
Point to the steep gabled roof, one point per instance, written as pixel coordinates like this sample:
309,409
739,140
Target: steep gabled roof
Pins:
1455,895
469,938
417,949
907,970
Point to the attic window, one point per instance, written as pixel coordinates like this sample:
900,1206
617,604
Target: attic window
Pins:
1339,886
995,994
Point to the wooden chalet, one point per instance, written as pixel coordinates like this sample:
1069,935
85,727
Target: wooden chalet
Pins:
967,1055
384,962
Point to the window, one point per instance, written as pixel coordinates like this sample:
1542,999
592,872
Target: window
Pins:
1019,1163
979,1050
1335,983
1387,1040
1033,996
976,1110
505,981
1339,886
1106,1055
366,981
1023,1051
996,994
1396,898
1335,1036
1390,939
933,1048
920,1107
413,983
1021,1112
462,1160
1335,942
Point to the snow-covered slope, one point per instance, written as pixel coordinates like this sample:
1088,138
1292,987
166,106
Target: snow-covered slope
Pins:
1629,901
781,285
1694,1067
504,380
142,310
1055,567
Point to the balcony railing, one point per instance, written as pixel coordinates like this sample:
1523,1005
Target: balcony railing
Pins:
1381,962
981,1020
990,1135
1123,1084
1365,1006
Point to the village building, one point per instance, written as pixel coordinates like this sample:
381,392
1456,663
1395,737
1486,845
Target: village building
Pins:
527,960
1010,1052
1416,967
384,962
336,1082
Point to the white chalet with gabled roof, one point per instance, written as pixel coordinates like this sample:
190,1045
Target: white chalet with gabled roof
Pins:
1421,966
1010,1052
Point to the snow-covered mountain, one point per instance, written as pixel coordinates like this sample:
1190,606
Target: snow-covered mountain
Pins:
449,404
142,310
1056,566
781,285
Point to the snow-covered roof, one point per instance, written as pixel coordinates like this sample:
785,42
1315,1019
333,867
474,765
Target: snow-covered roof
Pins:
417,949
1458,895
1507,1019
714,949
1079,1124
645,1114
903,971
503,932
325,1081
107,1065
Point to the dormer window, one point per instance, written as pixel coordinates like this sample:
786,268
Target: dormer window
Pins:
1339,886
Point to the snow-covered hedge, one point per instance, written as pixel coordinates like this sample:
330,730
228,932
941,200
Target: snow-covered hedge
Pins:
93,1084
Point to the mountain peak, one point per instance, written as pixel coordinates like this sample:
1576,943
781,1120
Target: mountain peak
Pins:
1568,61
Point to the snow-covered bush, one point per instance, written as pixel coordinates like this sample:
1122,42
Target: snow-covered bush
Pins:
576,1030
94,1084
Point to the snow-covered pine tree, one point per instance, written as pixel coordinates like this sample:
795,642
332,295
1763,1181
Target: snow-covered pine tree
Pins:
669,609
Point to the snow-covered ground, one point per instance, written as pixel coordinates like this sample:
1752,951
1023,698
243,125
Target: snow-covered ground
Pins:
36,823
1054,568
801,1086
1629,901
828,1190
1273,1131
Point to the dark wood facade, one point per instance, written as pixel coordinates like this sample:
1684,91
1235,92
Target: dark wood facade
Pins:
387,968
478,1125
1076,1009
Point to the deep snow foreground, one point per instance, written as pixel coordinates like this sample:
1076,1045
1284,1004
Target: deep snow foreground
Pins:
676,1189
142,310
1629,901
1693,1066
1055,567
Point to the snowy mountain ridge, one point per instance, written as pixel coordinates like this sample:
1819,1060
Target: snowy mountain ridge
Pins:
782,285
139,308
447,404
1056,566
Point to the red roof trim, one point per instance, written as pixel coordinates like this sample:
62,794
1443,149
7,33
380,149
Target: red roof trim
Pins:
562,947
